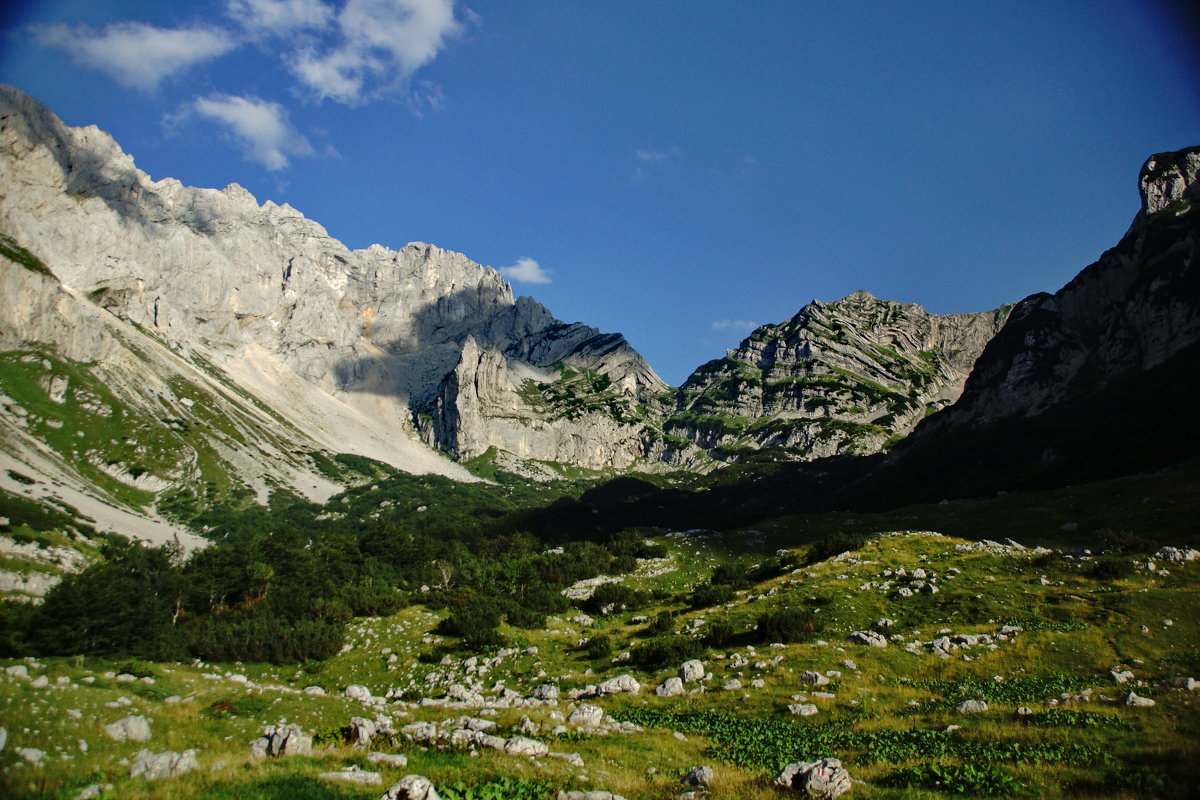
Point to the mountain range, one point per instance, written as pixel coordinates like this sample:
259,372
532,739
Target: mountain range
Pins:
163,347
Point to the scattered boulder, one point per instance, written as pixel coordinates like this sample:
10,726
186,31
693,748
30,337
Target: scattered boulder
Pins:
353,774
281,740
732,685
31,754
1132,699
362,731
698,777
1120,675
398,760
587,715
820,779
129,729
870,638
803,709
547,691
619,684
971,707
671,687
356,692
314,691
523,746
95,790
691,670
593,795
168,764
412,787
1190,684
813,678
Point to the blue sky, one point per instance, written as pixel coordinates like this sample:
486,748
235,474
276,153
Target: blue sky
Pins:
675,171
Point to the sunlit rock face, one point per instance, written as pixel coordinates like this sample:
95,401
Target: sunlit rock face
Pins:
375,337
847,377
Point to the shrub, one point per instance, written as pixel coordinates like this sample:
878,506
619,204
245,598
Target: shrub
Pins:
521,617
707,594
834,544
720,634
787,625
665,649
616,596
1111,567
662,622
598,647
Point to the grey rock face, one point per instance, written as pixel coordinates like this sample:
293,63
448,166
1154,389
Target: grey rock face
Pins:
839,377
821,779
371,342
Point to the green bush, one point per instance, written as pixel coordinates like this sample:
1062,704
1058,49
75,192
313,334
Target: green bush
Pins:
787,625
665,649
834,544
720,634
598,647
706,595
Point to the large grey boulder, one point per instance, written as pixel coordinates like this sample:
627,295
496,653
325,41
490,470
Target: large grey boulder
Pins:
281,740
411,787
619,684
129,729
671,687
524,746
691,670
362,731
971,707
587,715
813,678
357,692
870,638
821,779
168,764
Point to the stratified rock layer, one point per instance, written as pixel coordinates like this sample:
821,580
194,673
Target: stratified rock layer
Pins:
847,377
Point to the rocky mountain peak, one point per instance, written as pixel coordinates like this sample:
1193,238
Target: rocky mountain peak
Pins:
1167,179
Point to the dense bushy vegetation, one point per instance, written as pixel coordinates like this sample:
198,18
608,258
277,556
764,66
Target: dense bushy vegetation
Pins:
279,583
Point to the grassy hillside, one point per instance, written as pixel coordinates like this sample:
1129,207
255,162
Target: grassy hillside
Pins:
760,607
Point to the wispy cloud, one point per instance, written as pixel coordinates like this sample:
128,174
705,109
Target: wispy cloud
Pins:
526,270
380,44
734,325
649,158
261,127
280,17
137,54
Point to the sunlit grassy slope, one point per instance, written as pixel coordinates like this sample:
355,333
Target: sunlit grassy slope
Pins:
888,715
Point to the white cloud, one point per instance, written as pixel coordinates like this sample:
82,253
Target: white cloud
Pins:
734,325
260,126
650,156
381,44
649,159
280,16
136,54
526,270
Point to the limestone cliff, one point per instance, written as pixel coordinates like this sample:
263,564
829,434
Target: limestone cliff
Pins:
1098,379
851,377
360,349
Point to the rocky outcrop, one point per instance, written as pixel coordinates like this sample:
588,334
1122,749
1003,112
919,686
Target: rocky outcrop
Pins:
848,377
1086,382
363,351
